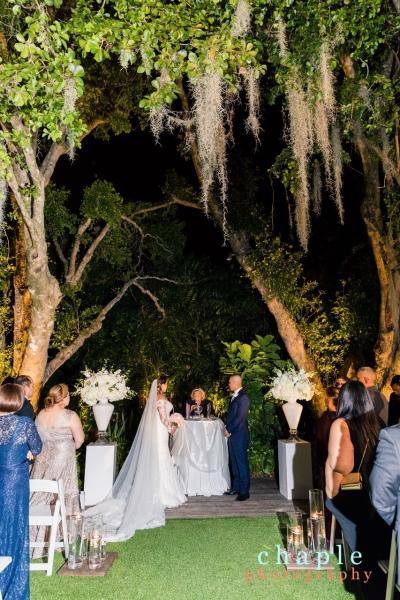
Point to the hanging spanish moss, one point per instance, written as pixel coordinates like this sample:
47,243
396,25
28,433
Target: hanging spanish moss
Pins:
301,140
313,116
252,88
70,95
327,80
158,120
337,170
209,112
317,188
321,127
242,19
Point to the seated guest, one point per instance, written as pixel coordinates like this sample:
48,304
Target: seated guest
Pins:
61,432
198,398
18,439
367,376
394,401
352,443
8,379
27,384
385,480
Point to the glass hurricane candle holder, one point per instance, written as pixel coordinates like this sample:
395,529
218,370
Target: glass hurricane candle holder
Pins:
75,533
316,534
316,500
94,552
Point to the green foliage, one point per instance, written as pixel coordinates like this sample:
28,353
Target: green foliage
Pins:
332,330
255,363
6,271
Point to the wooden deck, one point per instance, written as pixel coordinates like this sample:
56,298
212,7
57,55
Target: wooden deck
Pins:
265,500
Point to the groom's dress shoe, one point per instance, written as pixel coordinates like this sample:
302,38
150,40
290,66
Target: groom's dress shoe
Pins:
242,497
230,493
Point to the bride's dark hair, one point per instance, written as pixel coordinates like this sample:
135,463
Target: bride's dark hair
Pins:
160,381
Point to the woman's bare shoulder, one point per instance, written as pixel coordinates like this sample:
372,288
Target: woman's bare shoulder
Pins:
340,425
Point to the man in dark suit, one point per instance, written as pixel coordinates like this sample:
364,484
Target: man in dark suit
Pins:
385,481
367,376
237,432
27,384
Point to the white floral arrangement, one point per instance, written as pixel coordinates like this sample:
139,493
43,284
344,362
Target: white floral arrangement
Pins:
291,385
100,385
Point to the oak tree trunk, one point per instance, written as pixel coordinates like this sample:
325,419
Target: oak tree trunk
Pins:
387,348
45,296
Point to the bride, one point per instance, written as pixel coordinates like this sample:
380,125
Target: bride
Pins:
148,481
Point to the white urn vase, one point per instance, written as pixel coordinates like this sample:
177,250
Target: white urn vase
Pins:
292,412
102,412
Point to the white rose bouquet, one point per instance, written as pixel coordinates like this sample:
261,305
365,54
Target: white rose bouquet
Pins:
291,385
101,386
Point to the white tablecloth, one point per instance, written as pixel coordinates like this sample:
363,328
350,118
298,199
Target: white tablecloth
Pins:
200,452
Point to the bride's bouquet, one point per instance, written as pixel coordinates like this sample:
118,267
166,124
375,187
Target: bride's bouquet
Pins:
291,385
101,386
177,420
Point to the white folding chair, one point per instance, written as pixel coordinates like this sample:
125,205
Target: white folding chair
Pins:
4,562
49,515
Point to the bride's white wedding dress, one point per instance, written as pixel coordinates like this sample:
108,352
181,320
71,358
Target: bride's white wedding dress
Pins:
148,481
171,489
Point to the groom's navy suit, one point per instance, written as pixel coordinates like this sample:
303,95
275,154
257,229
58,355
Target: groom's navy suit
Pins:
238,442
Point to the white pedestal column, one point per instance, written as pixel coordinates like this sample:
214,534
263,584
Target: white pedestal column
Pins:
100,468
295,470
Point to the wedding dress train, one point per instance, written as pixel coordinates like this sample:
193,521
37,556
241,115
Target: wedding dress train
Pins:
148,481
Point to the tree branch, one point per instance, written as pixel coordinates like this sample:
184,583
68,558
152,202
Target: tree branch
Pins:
75,249
61,256
59,148
73,280
28,152
63,355
175,200
388,164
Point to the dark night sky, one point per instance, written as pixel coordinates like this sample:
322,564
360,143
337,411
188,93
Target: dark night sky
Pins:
137,167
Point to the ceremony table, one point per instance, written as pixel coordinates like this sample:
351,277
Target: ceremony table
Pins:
200,452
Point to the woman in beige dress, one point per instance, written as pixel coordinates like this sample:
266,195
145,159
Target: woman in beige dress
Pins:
61,432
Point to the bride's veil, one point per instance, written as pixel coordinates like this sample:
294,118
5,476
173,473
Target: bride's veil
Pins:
134,502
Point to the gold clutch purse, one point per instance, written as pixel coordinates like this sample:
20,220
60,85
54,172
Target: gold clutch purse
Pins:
352,481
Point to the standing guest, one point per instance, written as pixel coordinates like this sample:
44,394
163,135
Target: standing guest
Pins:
394,401
198,398
340,381
62,434
237,432
352,443
367,376
385,480
27,384
18,439
323,427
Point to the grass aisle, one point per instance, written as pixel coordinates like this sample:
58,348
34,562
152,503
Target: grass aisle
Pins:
204,559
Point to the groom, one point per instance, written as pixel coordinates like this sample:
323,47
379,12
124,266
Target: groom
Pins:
237,432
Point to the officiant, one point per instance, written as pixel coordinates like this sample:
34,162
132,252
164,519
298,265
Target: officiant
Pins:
198,398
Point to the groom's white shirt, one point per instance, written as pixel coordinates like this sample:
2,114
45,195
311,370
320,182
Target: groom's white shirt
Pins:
235,394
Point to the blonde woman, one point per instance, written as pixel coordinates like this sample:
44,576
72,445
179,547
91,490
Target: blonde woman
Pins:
199,404
61,432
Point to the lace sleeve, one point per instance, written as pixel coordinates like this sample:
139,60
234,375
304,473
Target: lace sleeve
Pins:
33,439
163,414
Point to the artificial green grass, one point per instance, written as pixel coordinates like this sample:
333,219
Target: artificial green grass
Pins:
194,559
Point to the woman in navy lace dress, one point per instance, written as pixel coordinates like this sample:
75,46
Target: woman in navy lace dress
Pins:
18,439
